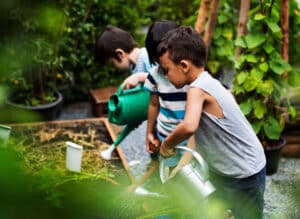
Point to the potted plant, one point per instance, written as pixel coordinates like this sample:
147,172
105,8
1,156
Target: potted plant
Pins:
258,83
33,83
33,67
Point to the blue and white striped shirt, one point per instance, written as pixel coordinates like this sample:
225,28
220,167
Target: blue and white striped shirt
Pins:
142,63
171,100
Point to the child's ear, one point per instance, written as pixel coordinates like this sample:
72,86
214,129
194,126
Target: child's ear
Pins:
120,53
185,65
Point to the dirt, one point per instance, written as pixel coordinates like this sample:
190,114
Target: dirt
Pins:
44,144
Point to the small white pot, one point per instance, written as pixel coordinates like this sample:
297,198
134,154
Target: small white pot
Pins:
73,156
4,134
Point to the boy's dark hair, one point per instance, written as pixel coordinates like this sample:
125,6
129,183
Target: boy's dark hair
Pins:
183,43
155,35
111,39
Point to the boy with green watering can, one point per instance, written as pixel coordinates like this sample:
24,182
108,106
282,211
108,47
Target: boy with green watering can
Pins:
224,136
117,47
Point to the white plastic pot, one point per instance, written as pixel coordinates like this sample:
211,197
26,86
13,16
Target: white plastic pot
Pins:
73,156
4,134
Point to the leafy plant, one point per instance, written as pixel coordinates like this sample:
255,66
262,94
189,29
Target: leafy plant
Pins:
84,21
258,84
294,43
221,51
33,83
34,67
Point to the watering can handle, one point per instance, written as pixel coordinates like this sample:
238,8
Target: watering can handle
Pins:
127,91
199,158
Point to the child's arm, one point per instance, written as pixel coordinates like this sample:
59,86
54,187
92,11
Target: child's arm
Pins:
153,111
186,157
194,106
134,79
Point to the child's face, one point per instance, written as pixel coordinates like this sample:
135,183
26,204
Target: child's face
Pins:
122,64
173,72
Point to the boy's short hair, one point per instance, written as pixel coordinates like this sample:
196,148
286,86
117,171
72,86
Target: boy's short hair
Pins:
183,43
155,35
110,39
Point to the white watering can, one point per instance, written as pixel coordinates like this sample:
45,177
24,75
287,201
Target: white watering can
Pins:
193,178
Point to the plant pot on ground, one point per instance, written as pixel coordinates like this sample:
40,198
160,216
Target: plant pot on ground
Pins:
47,111
33,81
273,154
258,84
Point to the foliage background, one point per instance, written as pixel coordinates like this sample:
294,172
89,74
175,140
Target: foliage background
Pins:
70,27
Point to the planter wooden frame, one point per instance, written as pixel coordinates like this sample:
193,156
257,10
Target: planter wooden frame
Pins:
113,135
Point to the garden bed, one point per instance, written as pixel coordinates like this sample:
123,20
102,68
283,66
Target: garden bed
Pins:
101,189
43,144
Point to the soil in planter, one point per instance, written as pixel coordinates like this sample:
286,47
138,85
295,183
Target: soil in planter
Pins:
44,144
98,191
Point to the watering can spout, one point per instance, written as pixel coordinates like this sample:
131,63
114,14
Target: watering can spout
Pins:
126,107
106,154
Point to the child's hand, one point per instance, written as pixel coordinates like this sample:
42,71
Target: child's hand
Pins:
133,80
165,151
152,144
130,82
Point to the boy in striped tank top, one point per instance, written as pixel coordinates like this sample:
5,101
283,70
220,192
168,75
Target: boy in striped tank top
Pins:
167,104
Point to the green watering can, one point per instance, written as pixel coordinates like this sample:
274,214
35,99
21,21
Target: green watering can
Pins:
126,107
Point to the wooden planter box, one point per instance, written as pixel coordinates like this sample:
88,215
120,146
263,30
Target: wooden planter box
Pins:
100,99
106,132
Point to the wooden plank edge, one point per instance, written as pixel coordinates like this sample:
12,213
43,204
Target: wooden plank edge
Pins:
57,122
119,150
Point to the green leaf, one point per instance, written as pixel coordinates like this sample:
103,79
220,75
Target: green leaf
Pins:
255,40
259,109
272,128
264,67
256,73
222,18
276,66
259,17
265,88
237,89
273,26
256,125
220,51
240,42
213,66
251,58
250,84
292,112
268,48
246,106
227,33
241,77
240,61
286,66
